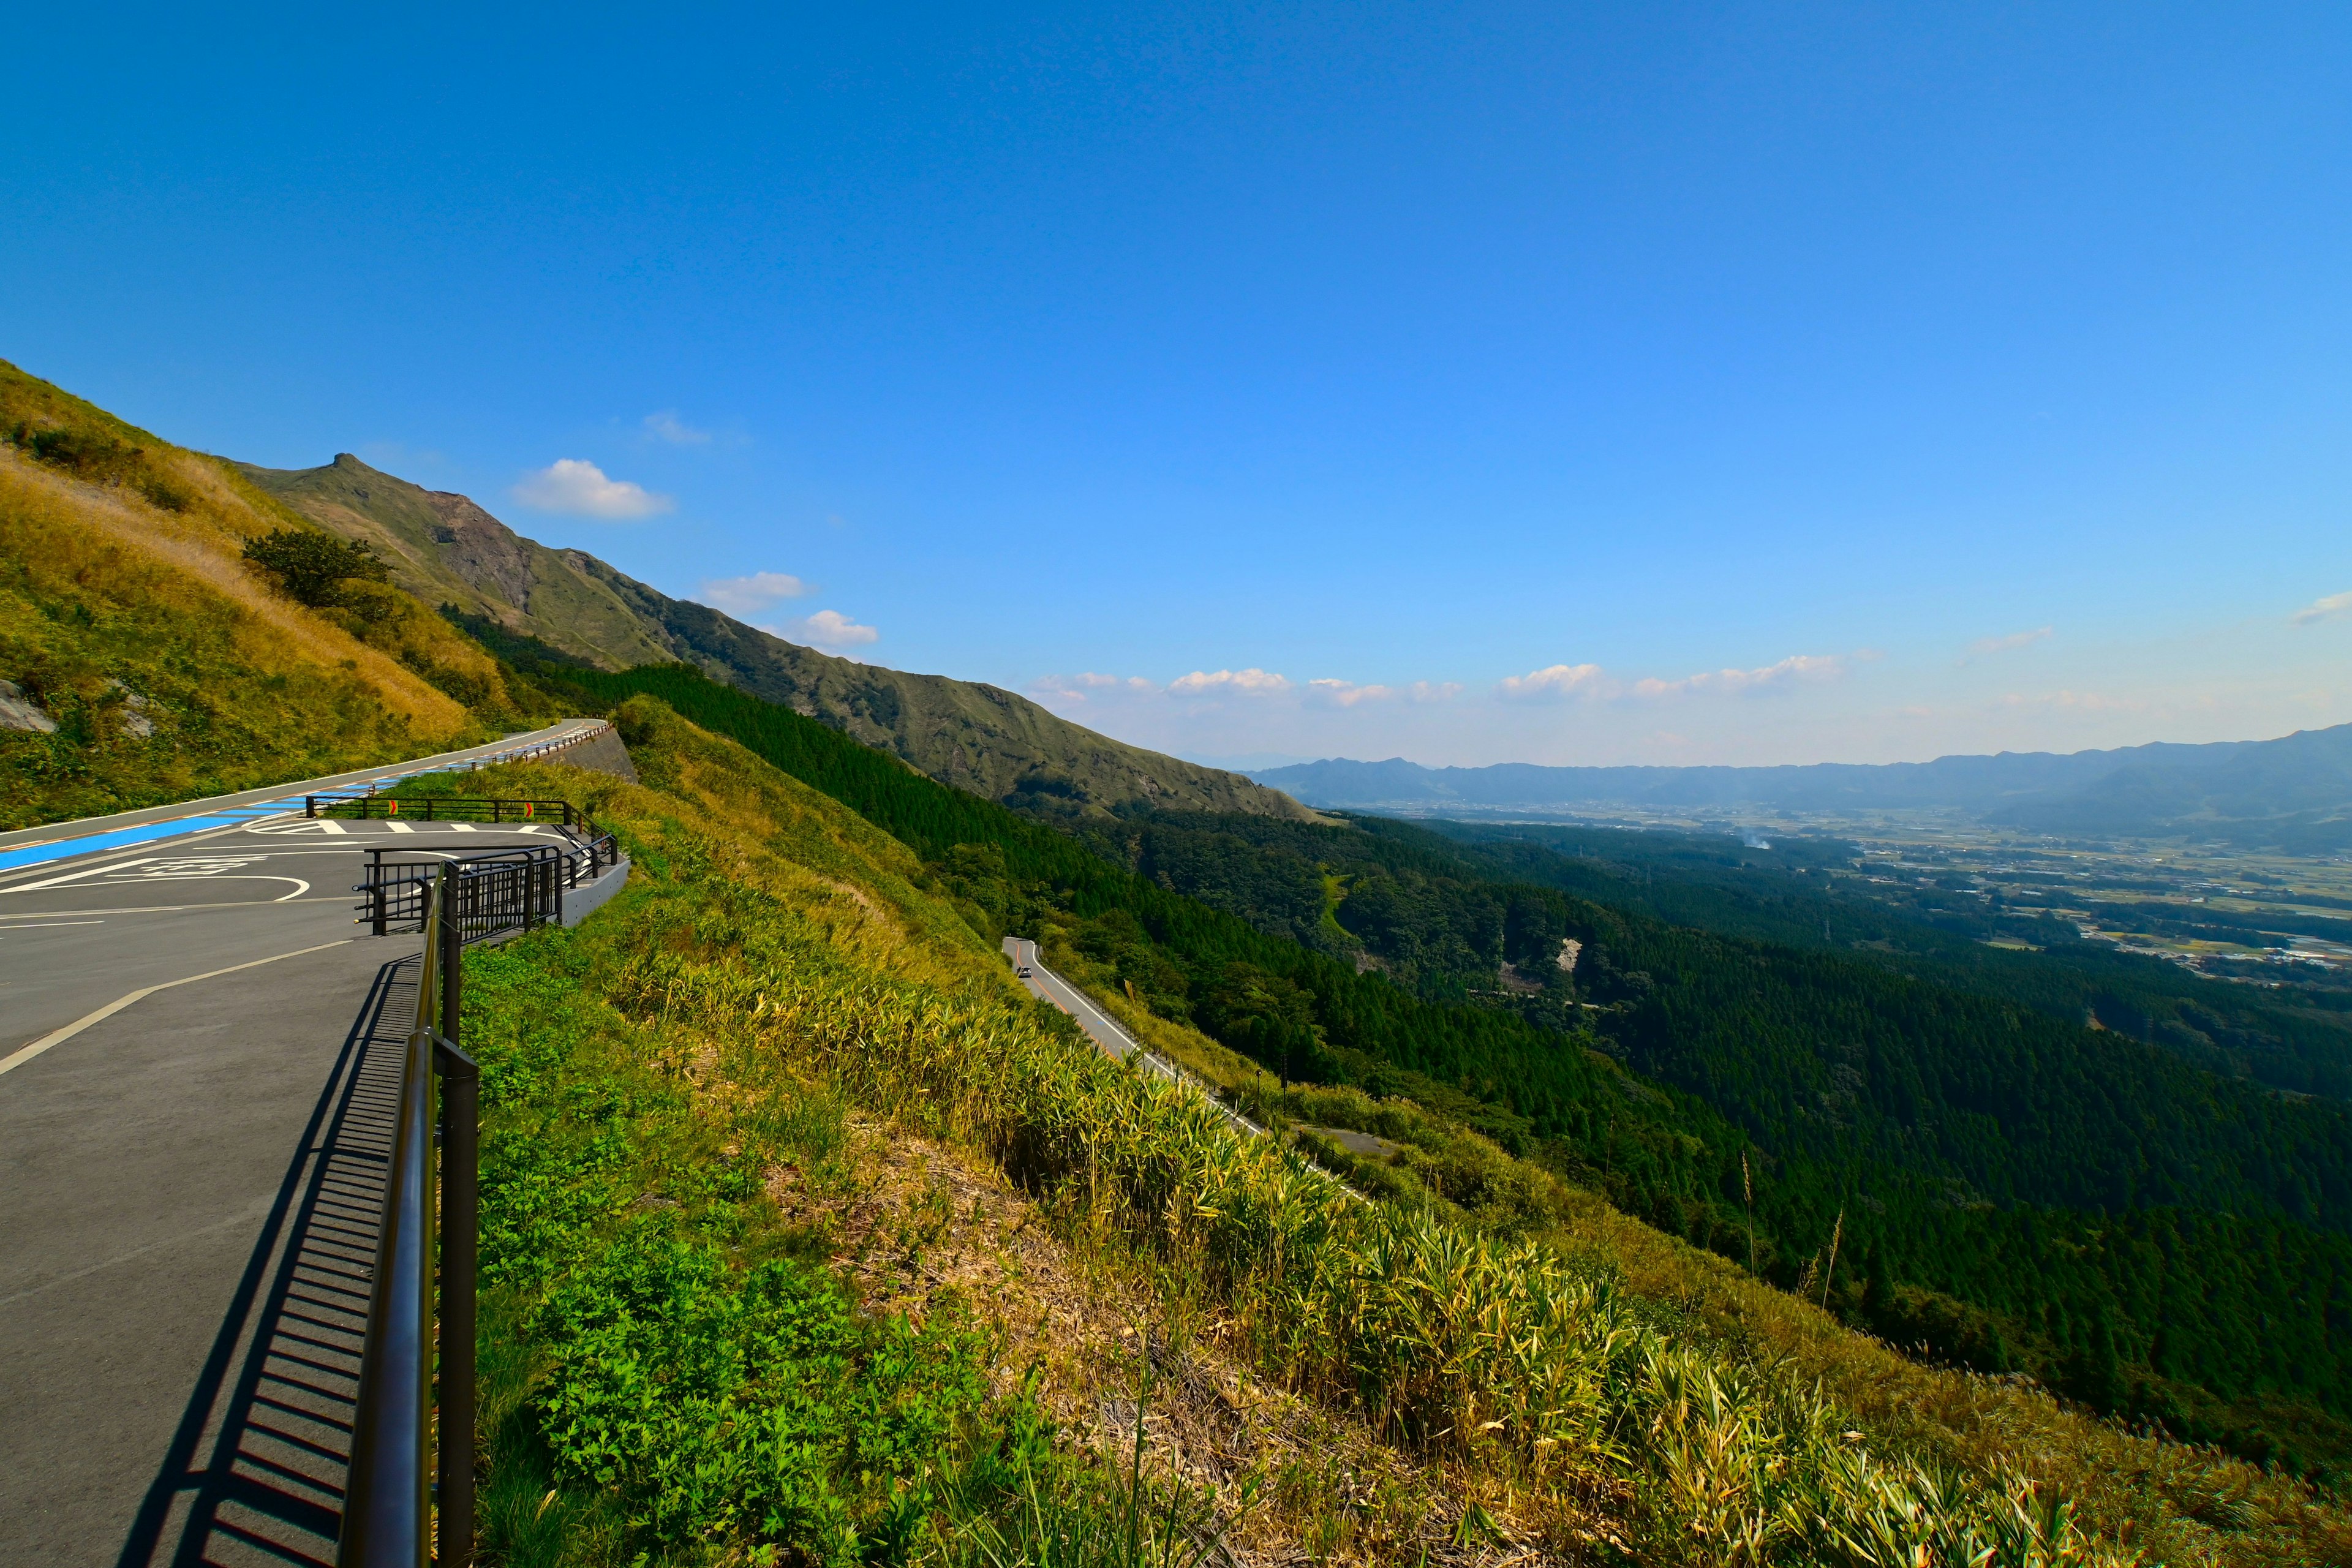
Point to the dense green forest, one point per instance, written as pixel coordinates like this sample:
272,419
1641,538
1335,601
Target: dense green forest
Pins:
2001,1187
2297,1038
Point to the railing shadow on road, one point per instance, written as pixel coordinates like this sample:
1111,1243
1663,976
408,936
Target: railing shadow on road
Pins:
256,1470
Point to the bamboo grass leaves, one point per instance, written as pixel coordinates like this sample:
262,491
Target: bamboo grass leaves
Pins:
1462,1345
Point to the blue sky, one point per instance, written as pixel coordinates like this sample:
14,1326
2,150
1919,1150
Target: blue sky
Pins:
1703,383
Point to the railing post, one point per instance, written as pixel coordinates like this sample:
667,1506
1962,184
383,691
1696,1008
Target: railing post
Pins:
460,1196
376,894
387,1492
453,940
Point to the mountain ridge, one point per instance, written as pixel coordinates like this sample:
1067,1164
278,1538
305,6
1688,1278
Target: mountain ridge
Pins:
445,547
2295,789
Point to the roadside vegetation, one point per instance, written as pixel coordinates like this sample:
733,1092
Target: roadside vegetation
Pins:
165,663
2100,1217
786,1071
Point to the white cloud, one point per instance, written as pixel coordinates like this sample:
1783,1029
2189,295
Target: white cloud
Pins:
1734,682
750,596
1557,682
667,427
2077,701
2008,644
1347,693
1222,682
1074,688
829,630
580,488
1560,682
2326,609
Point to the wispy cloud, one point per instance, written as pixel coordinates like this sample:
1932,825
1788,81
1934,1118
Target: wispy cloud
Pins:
829,630
1557,682
2326,609
2009,643
1734,682
1229,682
1590,682
1074,688
582,489
750,596
1347,693
667,427
2077,701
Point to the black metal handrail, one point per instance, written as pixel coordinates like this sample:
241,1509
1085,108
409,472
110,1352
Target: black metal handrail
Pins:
390,1505
366,805
496,890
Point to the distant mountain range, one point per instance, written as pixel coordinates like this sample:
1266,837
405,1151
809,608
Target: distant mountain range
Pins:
2295,792
566,604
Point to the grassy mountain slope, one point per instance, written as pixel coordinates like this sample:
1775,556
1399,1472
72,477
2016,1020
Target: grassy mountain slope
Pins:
674,1200
974,736
2222,1325
448,550
168,665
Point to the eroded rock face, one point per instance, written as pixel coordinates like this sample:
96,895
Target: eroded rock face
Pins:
18,711
482,549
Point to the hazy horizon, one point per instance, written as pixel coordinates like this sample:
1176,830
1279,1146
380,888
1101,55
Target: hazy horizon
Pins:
1269,762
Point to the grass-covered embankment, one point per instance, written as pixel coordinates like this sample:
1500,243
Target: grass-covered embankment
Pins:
773,938
170,667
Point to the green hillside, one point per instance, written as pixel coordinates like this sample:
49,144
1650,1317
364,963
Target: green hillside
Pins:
532,602
156,663
446,551
1961,1156
1366,1383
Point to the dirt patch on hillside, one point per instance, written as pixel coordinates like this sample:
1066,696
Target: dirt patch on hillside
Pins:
1291,1482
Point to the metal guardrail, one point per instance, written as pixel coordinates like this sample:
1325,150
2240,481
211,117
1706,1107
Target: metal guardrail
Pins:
368,806
408,1421
498,889
391,1507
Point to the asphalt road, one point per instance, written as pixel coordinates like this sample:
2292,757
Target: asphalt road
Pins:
1101,1027
36,845
198,1050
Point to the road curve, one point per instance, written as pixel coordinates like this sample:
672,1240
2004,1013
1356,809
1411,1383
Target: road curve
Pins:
60,840
1105,1030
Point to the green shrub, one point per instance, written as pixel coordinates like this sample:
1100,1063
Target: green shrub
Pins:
314,567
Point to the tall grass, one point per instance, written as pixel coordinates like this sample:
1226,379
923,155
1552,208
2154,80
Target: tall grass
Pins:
1496,1354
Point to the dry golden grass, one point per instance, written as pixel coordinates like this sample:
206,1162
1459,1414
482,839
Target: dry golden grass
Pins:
101,539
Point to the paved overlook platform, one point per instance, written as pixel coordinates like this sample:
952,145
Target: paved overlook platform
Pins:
199,1053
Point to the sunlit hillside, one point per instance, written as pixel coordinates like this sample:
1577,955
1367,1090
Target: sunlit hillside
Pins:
155,663
786,1072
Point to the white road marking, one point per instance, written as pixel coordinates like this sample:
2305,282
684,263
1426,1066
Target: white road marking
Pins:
45,925
402,826
59,1036
163,909
78,876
